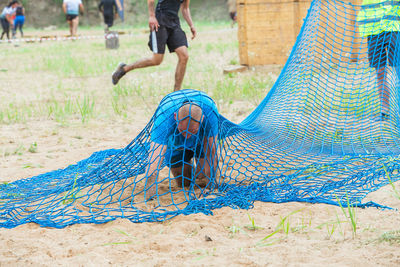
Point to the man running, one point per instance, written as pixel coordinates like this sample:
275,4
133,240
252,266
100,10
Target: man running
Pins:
165,29
71,9
109,10
185,127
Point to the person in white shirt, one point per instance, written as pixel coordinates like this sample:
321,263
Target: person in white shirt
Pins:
71,9
6,18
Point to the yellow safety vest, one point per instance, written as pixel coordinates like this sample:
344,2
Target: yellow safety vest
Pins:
378,16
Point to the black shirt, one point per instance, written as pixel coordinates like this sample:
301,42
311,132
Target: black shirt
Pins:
108,6
167,13
169,8
19,11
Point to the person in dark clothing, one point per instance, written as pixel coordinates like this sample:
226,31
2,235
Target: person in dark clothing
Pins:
6,18
19,20
109,10
165,29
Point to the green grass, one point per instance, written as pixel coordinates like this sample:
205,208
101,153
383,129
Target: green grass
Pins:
350,213
69,81
71,195
61,110
131,239
392,237
252,226
33,148
395,191
284,226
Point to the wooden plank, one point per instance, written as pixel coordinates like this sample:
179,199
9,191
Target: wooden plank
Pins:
234,68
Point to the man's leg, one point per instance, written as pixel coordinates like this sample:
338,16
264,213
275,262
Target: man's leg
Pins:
107,21
20,29
183,57
383,89
122,69
154,60
202,179
183,172
14,29
70,26
4,27
75,23
8,25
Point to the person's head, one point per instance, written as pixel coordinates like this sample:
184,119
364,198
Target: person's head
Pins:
188,119
13,3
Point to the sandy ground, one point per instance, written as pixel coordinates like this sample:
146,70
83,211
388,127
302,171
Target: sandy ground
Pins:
315,235
291,234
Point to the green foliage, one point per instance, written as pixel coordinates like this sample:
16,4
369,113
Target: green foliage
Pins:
396,193
33,148
350,214
203,253
234,229
86,107
135,12
252,226
284,226
130,240
71,195
392,237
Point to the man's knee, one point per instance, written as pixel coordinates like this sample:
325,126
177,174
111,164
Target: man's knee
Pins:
157,59
184,59
182,53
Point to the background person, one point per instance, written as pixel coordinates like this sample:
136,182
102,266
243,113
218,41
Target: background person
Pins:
109,10
19,20
185,127
165,29
7,18
232,11
71,9
378,20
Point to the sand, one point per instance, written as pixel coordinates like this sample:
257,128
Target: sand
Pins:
224,238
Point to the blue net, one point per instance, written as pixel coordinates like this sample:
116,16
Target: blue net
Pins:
327,132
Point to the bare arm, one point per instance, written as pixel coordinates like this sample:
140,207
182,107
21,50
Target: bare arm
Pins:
156,158
9,18
115,7
81,8
64,6
211,159
188,17
101,6
153,22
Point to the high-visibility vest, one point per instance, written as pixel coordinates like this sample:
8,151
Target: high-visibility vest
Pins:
378,16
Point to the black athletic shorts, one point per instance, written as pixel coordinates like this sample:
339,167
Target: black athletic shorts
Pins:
71,17
232,15
108,19
171,35
176,158
383,49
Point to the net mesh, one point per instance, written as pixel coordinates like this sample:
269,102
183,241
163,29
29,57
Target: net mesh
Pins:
319,136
